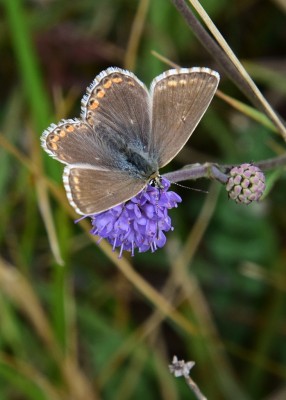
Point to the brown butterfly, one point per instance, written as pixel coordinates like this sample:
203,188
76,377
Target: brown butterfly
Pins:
126,133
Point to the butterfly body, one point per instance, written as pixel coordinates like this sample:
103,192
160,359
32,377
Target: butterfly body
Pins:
127,133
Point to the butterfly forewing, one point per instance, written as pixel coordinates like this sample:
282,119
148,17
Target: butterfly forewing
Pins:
180,99
115,114
91,191
118,104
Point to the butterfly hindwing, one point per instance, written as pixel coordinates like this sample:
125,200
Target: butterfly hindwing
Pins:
90,190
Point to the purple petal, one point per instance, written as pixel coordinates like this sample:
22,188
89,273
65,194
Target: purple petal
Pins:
140,222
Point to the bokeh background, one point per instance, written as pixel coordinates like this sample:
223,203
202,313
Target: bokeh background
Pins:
76,322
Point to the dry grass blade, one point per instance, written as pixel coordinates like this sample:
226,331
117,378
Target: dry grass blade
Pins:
41,192
232,57
20,292
45,209
43,200
135,35
150,293
35,376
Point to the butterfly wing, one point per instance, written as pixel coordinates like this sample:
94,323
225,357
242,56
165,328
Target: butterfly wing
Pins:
98,147
115,114
72,141
118,100
90,190
180,99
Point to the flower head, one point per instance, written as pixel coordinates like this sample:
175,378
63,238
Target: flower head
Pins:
139,222
180,367
246,183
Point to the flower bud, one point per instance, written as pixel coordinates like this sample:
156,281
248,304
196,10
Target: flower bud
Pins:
246,183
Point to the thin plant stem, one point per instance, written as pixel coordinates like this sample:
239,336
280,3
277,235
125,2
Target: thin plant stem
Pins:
217,171
195,389
135,35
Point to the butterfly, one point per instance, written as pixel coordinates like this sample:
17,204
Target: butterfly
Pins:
126,133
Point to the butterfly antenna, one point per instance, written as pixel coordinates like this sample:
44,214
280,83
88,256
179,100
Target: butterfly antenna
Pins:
190,188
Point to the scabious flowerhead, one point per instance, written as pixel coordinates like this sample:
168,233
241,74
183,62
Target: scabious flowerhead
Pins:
246,183
139,222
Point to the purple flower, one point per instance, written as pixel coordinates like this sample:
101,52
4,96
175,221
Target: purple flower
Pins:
139,222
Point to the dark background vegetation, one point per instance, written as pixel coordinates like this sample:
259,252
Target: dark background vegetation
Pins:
93,328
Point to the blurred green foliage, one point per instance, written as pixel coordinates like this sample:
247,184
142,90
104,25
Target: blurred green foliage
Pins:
84,330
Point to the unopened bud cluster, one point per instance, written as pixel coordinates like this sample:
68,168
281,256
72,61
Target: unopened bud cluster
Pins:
246,183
